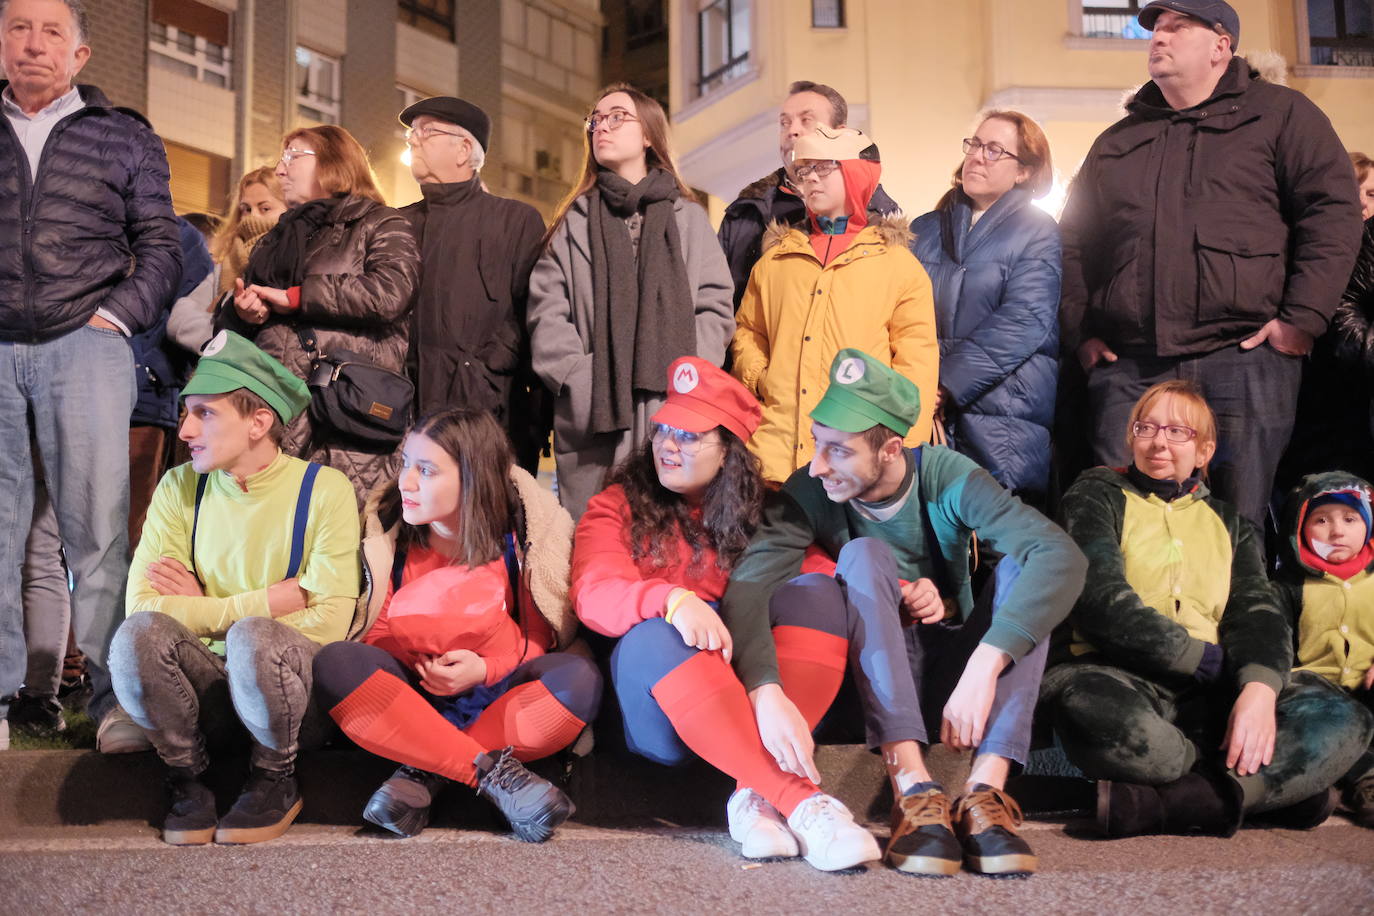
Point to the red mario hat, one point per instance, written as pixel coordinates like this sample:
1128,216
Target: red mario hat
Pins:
702,397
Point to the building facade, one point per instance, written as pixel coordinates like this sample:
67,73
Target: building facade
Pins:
917,72
223,80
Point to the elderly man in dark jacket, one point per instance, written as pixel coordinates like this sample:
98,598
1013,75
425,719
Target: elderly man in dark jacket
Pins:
1208,236
470,347
774,196
89,252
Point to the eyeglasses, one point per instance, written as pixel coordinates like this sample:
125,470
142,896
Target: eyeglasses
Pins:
820,169
288,155
421,134
690,444
612,120
1144,430
991,151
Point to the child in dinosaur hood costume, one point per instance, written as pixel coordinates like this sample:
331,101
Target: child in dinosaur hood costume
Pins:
1173,688
1327,589
844,282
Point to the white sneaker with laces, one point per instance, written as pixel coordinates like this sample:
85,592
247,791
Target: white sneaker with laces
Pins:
758,827
119,734
828,837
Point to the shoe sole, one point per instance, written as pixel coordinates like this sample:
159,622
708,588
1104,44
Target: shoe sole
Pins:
408,825
761,851
238,836
537,831
924,865
1104,806
201,837
1010,864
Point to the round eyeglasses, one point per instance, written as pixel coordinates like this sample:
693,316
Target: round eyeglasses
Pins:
1143,430
820,169
689,443
612,120
991,151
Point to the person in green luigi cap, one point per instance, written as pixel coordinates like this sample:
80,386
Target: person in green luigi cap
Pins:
248,563
898,612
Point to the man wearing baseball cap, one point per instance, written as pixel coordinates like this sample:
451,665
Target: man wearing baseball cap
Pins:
651,559
1208,236
900,613
248,563
842,281
470,347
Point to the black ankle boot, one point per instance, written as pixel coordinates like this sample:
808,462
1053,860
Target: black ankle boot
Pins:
1302,815
1197,802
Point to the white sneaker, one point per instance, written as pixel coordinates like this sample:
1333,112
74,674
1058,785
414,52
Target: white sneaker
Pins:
828,837
758,827
5,738
119,734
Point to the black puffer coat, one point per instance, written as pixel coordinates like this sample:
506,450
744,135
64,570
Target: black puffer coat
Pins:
360,273
1352,329
94,230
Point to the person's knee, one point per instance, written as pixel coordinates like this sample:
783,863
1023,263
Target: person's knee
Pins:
252,635
574,681
866,557
811,600
340,668
144,632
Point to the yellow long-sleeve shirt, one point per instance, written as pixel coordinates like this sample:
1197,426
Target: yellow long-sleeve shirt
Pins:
243,545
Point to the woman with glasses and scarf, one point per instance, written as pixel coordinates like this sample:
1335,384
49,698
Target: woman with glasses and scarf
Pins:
1170,681
631,278
650,562
994,261
340,266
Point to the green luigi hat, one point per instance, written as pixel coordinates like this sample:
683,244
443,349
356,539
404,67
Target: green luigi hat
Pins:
229,362
864,393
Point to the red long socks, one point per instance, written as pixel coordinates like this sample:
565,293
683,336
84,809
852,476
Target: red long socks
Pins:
528,718
811,664
712,715
386,716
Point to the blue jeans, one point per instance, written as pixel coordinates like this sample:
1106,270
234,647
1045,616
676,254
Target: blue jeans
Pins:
906,674
1254,394
80,389
644,656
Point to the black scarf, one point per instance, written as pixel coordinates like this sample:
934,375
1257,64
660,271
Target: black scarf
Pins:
1167,490
642,326
278,261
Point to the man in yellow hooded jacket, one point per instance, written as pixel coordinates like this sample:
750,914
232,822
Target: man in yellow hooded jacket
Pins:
841,283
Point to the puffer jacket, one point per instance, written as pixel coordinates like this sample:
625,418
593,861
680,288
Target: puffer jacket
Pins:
94,229
1164,580
1332,618
544,551
796,315
1353,326
1186,231
996,288
360,274
762,203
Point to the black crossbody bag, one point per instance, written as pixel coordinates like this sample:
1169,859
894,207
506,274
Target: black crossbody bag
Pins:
360,401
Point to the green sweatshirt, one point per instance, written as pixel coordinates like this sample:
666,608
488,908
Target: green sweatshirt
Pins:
962,500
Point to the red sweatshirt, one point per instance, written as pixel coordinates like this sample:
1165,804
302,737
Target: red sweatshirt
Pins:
611,592
441,607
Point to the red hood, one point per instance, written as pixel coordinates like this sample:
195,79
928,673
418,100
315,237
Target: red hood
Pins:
860,182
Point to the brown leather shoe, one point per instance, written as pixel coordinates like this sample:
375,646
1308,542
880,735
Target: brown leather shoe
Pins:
923,841
985,820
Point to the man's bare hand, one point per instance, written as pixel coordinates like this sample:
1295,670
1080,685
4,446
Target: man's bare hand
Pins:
168,577
1093,351
286,597
1284,337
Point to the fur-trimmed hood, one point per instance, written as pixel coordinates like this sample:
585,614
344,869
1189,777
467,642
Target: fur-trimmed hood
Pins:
544,553
891,229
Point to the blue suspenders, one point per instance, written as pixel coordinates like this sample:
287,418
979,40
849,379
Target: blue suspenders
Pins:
298,524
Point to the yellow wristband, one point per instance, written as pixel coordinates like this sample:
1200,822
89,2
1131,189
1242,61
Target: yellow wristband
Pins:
672,605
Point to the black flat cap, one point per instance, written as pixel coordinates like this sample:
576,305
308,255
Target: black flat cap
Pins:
1212,12
455,111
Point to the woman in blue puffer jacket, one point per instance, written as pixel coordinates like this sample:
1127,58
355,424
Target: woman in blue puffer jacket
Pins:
994,260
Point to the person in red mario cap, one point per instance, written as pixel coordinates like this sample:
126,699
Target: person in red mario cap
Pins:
651,558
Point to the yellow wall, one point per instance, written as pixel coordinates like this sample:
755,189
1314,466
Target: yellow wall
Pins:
920,70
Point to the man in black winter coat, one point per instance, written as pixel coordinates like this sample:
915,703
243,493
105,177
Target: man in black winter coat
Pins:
1207,236
469,346
89,252
774,196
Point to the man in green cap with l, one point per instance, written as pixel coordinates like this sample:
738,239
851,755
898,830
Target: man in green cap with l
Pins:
894,525
247,565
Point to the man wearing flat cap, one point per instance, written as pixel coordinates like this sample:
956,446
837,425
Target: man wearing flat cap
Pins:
930,663
248,563
1208,236
469,346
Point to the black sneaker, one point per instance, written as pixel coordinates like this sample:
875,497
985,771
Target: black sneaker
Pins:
36,716
191,818
533,805
1360,799
264,809
401,804
985,820
922,841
